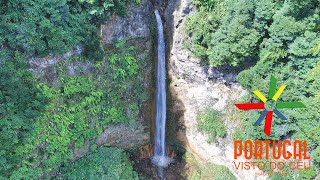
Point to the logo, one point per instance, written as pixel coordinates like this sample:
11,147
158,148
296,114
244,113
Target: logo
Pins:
270,105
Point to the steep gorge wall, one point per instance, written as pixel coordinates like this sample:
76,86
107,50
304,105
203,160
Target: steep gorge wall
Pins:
194,87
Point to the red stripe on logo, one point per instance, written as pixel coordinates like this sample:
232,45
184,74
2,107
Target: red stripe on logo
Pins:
250,106
268,123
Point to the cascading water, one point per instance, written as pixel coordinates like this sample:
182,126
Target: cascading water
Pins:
160,159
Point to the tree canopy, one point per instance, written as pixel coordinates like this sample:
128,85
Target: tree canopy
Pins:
281,38
39,28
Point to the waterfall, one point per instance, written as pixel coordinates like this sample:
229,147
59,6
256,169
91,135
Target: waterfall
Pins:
160,159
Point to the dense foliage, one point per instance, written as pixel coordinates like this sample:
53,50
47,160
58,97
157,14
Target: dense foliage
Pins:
21,103
40,28
104,163
232,31
282,38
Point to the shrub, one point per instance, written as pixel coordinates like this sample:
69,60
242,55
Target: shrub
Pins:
211,123
104,163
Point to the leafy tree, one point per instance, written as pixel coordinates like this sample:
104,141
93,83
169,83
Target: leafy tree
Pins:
231,38
21,103
205,4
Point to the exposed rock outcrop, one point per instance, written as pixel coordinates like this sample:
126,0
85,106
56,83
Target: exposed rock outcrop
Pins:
135,24
45,69
195,86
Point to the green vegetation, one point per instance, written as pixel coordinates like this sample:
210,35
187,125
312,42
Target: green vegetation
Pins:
22,102
39,28
42,125
204,171
233,31
46,124
282,39
211,123
104,163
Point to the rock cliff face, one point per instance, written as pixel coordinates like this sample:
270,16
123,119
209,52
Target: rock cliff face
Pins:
44,68
135,27
136,24
195,87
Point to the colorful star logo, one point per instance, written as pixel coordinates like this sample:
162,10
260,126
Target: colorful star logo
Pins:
270,105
